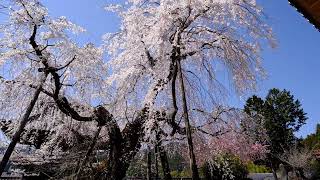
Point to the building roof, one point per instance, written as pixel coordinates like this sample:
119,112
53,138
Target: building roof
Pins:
310,9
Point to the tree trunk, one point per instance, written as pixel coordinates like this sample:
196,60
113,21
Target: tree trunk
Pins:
24,120
301,174
148,164
83,162
118,167
193,164
156,161
116,163
164,163
123,147
274,171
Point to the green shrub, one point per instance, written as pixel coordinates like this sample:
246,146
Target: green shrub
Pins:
224,167
253,168
185,173
175,174
181,174
315,170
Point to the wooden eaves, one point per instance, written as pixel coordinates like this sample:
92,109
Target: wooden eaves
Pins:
310,9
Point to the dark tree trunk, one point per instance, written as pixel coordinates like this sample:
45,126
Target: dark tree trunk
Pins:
274,171
156,161
164,163
149,164
301,174
163,157
89,151
193,163
123,147
24,120
116,164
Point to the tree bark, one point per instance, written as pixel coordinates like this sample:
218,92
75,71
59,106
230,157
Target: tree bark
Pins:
301,174
193,164
149,164
156,161
164,163
83,162
123,146
116,164
163,157
24,120
274,171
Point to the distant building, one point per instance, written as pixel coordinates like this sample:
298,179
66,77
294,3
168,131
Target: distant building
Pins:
20,176
310,9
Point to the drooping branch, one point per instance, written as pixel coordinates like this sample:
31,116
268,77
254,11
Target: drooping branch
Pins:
151,60
215,134
213,117
61,101
122,145
24,120
14,82
66,65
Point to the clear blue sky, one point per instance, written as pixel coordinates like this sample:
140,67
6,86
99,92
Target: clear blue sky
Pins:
294,65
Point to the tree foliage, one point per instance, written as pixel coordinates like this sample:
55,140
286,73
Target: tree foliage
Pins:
115,106
225,167
312,141
281,115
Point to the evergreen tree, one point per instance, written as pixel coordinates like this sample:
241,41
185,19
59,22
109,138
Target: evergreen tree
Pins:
312,141
281,115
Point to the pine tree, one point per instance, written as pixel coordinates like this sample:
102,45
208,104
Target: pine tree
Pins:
281,115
